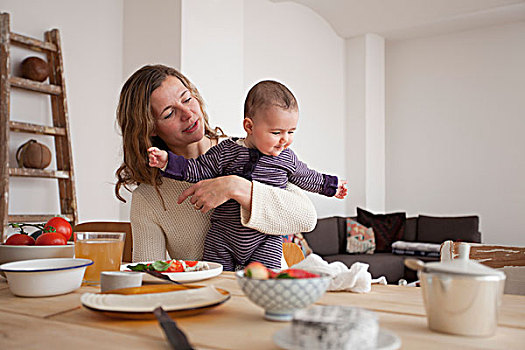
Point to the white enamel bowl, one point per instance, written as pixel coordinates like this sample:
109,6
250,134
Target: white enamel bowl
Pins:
45,277
9,253
280,298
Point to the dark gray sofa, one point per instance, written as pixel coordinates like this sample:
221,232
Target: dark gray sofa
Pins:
328,240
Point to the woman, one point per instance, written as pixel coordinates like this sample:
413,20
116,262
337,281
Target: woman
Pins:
160,107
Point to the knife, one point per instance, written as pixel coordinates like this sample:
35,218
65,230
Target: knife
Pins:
175,336
163,277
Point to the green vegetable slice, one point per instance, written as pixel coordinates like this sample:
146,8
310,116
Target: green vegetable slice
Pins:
159,266
138,267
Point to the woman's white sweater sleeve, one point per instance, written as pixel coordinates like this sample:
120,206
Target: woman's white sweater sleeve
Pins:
279,212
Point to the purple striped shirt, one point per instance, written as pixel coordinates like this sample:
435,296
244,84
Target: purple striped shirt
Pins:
228,242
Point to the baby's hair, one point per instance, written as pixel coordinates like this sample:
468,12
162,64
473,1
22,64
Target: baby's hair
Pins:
268,93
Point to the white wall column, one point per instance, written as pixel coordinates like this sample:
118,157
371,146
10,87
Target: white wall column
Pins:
151,34
212,57
365,91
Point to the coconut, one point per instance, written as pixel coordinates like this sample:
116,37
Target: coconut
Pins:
35,68
33,154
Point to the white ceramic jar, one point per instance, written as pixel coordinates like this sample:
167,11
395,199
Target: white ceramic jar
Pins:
462,296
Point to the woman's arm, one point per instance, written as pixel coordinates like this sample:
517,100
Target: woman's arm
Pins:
213,192
265,208
276,211
148,239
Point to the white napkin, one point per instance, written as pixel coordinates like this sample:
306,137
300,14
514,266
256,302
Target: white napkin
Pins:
354,279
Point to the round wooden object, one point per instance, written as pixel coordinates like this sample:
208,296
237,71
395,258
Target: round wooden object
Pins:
33,154
35,68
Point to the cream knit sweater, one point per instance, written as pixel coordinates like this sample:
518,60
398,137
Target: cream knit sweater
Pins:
180,230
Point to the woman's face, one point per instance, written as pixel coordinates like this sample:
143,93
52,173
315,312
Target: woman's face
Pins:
178,116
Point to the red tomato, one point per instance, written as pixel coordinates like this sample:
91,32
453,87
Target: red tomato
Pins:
61,226
190,263
51,238
20,239
175,266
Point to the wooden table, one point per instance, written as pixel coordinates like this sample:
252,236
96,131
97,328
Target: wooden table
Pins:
61,321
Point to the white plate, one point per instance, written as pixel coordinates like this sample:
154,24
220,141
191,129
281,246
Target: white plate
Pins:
386,340
137,303
170,301
185,277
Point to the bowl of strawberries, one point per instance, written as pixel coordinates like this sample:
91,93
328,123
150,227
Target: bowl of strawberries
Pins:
281,293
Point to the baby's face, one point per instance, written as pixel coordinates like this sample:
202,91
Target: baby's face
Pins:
273,130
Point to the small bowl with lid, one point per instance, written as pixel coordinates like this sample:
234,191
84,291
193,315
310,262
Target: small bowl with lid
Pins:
461,296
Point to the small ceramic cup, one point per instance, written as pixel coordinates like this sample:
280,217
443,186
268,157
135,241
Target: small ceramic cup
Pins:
110,280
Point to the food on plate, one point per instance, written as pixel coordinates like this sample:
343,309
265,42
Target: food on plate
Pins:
335,327
60,225
258,271
51,238
171,266
20,239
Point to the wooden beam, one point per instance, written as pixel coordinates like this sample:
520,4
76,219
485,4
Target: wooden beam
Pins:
36,86
30,43
4,118
27,172
33,218
36,129
64,152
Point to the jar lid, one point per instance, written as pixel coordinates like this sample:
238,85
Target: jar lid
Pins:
463,265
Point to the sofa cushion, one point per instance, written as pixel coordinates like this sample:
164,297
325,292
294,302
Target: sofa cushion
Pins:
298,239
410,230
380,264
388,228
324,239
434,229
359,238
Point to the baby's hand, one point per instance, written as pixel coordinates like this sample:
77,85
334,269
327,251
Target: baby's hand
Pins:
341,189
157,157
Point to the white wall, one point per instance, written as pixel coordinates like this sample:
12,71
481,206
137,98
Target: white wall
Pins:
212,58
365,130
455,124
229,46
151,34
91,35
292,44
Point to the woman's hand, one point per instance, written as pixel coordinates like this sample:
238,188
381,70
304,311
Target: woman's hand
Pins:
209,194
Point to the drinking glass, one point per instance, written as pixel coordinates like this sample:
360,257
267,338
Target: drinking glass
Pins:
104,248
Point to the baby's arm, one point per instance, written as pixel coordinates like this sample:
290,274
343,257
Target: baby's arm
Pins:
157,157
206,166
313,181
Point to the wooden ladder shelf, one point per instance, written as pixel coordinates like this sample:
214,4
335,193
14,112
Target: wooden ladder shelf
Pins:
60,130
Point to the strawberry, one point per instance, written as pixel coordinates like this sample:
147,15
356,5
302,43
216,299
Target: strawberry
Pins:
296,273
257,271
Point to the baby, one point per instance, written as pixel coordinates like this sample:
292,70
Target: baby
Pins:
270,119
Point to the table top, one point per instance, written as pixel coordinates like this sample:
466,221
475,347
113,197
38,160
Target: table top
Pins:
61,321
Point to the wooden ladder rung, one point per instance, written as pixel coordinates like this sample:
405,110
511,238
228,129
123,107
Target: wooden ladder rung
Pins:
30,43
36,129
35,86
32,218
26,172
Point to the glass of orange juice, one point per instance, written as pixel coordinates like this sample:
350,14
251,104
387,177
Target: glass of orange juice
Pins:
104,248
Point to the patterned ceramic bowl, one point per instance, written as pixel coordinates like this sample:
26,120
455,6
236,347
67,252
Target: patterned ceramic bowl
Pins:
280,298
